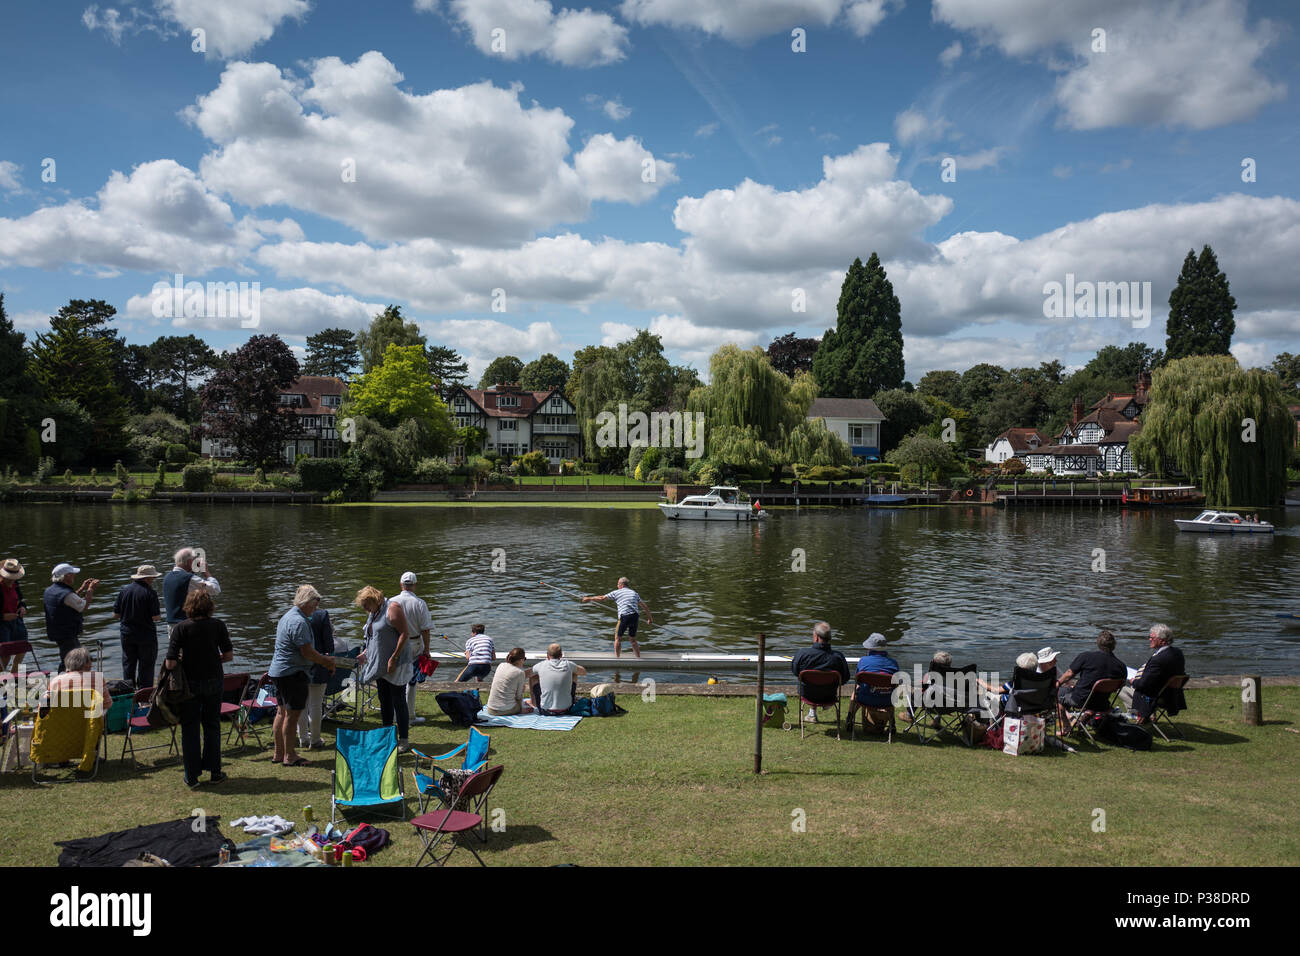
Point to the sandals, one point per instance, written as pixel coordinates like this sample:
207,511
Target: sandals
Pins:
299,762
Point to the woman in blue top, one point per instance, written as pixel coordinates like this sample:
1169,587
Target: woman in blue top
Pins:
291,668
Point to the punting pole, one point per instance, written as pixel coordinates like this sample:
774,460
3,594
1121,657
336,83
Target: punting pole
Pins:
758,709
663,627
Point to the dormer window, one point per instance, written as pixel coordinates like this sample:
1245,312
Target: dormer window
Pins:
507,401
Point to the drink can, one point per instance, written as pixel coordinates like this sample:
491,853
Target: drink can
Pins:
306,813
347,858
224,856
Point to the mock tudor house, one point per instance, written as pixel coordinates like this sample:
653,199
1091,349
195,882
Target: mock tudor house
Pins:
1015,443
518,421
315,400
1098,441
856,420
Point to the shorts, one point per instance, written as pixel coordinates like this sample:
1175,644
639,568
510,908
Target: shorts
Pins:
291,691
628,624
475,672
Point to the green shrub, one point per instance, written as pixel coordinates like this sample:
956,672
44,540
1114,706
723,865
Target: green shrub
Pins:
223,482
259,477
334,497
910,473
882,471
123,476
286,482
67,477
197,477
431,471
670,476
94,476
44,468
177,454
534,463
322,474
822,473
162,475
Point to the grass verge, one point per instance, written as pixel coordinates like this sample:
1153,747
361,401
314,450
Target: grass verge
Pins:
670,783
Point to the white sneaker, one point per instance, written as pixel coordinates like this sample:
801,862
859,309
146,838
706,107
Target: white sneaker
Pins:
417,720
812,715
403,746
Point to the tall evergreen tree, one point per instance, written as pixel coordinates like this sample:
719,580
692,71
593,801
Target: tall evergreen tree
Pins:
183,358
75,361
447,368
1200,309
387,328
332,352
863,354
543,373
19,395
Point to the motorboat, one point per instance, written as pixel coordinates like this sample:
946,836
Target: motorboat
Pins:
1223,522
722,503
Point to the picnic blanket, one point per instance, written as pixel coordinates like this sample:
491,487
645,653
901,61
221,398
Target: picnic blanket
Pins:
175,841
529,722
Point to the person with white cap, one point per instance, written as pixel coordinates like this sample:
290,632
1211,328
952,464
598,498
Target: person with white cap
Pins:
875,661
138,609
1047,660
65,607
420,623
12,609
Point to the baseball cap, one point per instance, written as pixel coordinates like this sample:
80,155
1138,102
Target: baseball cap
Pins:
875,640
61,569
408,577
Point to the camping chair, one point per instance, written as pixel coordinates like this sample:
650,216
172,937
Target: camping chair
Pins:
820,689
234,688
426,785
1033,694
947,703
365,770
344,700
18,650
138,723
71,728
880,684
1160,709
1100,699
268,701
433,827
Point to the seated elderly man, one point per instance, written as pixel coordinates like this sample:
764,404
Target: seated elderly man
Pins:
1166,661
64,688
820,657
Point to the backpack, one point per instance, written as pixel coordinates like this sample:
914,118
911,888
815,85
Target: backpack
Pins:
993,737
461,706
368,838
1123,734
774,710
604,706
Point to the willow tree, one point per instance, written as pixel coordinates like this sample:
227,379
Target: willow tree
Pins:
745,391
1226,427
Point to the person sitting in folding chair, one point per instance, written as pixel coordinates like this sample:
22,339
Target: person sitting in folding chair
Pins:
820,657
1166,661
1086,669
876,661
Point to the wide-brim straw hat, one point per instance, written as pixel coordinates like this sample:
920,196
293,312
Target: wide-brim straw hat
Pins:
11,570
145,571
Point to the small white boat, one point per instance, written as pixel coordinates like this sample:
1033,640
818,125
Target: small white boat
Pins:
1223,522
722,503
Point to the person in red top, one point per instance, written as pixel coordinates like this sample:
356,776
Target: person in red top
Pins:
12,610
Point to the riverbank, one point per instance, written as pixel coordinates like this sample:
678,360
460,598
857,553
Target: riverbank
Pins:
671,783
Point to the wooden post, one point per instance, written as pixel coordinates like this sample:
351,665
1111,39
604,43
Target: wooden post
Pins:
758,711
1252,706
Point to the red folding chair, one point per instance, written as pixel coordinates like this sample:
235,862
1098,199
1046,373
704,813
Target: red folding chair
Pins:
878,684
1073,719
234,687
820,689
138,723
18,650
442,824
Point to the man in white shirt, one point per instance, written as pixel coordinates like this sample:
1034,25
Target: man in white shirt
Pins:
419,621
555,682
629,603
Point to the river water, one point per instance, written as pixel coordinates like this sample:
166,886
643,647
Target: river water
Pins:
984,583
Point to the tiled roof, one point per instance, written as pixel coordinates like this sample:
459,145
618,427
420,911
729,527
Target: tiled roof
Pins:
313,387
1018,438
1070,450
486,399
861,408
1121,433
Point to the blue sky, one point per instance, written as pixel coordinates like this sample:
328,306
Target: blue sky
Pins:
522,169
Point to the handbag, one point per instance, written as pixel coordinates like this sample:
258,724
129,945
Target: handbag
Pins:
171,690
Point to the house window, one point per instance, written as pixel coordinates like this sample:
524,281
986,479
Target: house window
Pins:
460,401
507,401
557,402
509,425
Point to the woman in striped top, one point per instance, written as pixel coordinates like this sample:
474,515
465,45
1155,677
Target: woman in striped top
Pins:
481,654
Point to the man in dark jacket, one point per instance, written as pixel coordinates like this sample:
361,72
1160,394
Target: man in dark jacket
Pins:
139,611
1166,661
820,657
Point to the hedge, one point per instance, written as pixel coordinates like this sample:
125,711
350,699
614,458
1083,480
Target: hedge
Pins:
197,477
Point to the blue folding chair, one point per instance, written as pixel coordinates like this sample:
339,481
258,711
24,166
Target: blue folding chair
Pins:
365,770
426,785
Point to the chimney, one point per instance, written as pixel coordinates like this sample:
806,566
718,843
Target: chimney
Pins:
1076,410
1143,386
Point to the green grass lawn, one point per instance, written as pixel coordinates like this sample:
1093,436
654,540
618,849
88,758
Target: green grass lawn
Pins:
671,782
